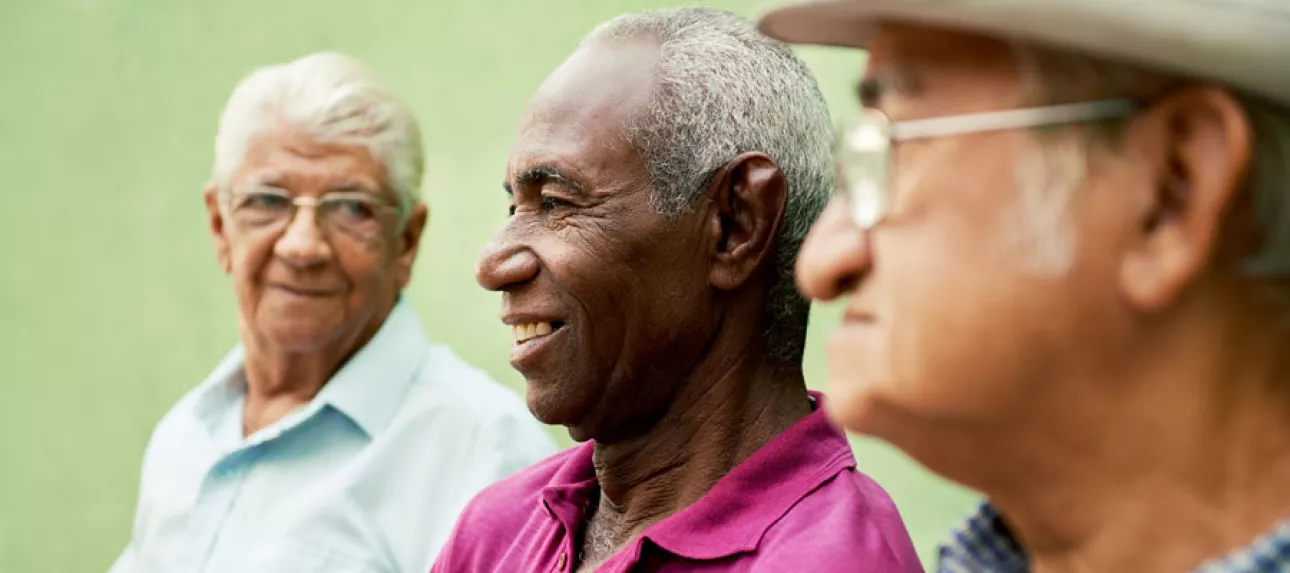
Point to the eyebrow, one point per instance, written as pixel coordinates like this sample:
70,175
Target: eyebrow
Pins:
352,187
272,180
536,176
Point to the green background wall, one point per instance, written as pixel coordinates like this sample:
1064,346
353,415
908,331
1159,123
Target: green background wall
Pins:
111,305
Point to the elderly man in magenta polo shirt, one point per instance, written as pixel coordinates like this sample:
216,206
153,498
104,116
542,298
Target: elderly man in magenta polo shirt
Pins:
336,437
661,182
1063,242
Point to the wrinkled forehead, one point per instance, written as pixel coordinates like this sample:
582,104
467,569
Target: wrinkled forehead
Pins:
584,107
289,158
944,71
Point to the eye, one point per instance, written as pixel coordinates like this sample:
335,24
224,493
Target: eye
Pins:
351,209
263,201
550,203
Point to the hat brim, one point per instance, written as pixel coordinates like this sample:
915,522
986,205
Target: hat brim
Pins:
839,22
1245,44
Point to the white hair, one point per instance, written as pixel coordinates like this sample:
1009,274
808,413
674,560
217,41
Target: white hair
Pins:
1047,176
332,98
722,89
1051,76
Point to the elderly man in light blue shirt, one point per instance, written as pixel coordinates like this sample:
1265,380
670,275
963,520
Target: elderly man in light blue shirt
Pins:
335,437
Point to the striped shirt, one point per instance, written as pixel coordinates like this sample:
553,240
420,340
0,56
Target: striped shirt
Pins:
983,543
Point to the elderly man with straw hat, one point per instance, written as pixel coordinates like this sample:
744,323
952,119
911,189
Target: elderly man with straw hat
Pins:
1062,231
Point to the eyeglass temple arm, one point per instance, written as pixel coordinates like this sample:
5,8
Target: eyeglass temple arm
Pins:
1011,119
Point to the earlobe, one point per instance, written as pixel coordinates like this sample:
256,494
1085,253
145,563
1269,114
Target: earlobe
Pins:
1199,167
215,219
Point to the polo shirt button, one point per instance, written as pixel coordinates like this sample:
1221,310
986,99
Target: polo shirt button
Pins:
561,562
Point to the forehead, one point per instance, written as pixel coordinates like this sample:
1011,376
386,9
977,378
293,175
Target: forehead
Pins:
950,71
577,118
294,159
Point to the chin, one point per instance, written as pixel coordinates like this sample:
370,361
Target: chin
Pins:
547,404
554,405
300,338
853,406
873,405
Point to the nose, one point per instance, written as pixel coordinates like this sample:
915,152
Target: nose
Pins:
505,263
302,243
835,256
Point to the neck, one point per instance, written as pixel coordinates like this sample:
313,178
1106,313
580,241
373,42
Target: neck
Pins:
726,411
280,379
1185,451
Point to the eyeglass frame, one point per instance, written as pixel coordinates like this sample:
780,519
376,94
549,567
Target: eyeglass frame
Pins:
868,215
295,202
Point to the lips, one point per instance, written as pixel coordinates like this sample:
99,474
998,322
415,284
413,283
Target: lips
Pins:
306,291
858,312
532,334
858,318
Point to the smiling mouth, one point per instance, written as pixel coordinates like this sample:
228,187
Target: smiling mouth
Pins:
315,293
526,332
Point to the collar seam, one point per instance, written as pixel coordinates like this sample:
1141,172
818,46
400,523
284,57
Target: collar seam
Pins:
826,472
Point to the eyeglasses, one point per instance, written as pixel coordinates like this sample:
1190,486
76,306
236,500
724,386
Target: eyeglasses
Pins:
863,153
352,213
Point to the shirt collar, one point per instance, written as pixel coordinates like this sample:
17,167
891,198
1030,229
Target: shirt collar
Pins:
984,543
367,389
734,516
569,495
370,386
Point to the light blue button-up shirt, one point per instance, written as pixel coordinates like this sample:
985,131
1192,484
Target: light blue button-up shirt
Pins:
367,477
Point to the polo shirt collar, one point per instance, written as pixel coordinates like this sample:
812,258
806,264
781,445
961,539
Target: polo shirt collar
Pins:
574,484
734,516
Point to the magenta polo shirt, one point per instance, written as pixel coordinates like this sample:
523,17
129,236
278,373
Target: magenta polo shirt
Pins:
797,504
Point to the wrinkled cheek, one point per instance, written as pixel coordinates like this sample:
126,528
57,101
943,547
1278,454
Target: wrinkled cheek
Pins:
369,290
370,277
246,264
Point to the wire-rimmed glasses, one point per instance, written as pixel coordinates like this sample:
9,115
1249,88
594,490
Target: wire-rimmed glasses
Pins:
352,213
863,153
